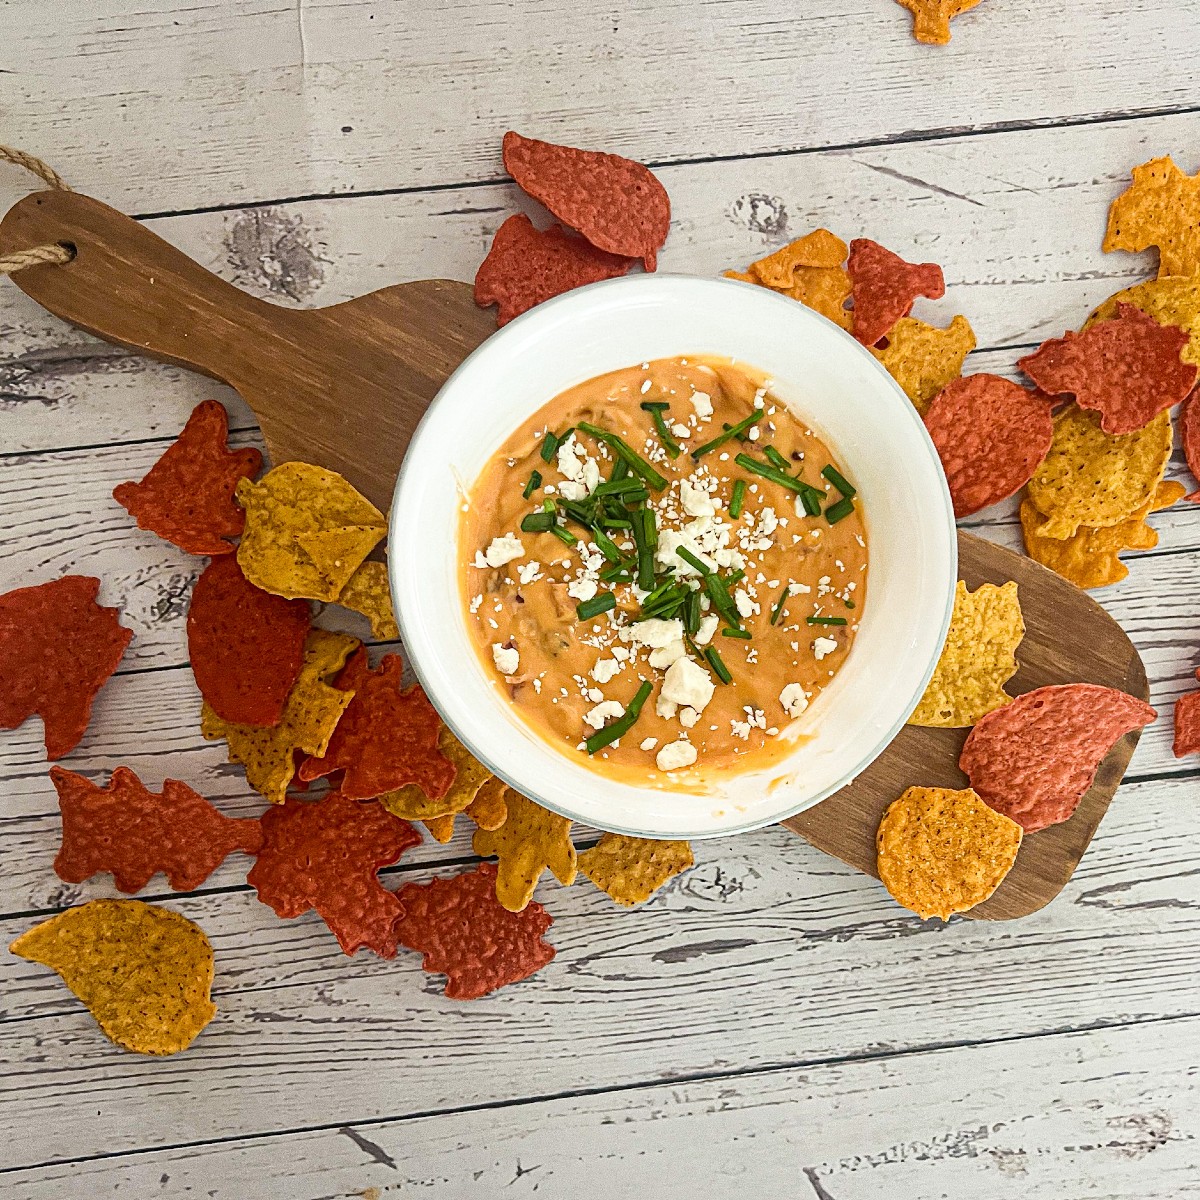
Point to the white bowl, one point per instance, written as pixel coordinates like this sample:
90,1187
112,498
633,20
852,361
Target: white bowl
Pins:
840,391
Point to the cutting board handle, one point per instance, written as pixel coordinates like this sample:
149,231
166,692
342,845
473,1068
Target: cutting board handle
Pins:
127,285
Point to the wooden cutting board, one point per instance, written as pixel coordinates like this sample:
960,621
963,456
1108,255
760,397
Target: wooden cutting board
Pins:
345,387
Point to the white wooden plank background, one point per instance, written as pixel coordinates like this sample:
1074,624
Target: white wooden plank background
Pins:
771,1020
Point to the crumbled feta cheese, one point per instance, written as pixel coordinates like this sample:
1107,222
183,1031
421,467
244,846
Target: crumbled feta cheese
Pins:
745,605
753,433
504,550
599,716
648,743
675,755
687,683
621,654
654,633
794,699
708,626
666,708
702,403
528,572
570,489
506,658
740,729
823,646
696,500
595,695
476,603
581,589
605,669
664,656
645,386
688,717
681,431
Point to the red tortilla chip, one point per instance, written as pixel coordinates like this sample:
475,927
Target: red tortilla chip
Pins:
467,935
246,645
991,435
132,832
616,203
1127,369
526,266
885,287
1189,432
1034,759
386,738
1187,724
57,649
324,855
187,496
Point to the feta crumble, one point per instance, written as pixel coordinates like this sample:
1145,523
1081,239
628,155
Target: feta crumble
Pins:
794,699
502,551
506,658
675,755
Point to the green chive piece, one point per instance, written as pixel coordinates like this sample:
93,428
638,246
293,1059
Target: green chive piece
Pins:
691,613
692,561
596,605
635,497
623,724
773,456
839,481
637,464
738,499
538,522
606,546
620,471
616,523
616,573
826,620
657,594
655,405
777,611
729,434
810,500
645,553
535,482
744,634
736,577
848,603
651,528
660,425
718,664
615,486
564,535
718,593
549,446
770,473
843,508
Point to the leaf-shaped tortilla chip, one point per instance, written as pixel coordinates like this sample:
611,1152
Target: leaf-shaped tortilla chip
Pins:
923,359
631,869
931,18
369,593
531,839
1160,208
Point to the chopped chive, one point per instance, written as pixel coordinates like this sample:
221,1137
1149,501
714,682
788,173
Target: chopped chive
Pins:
729,434
691,613
535,482
615,486
651,528
660,425
595,606
826,620
606,547
848,603
744,634
735,577
810,500
616,523
645,553
623,724
665,610
655,405
843,508
773,474
637,464
620,471
718,593
538,522
635,497
692,561
839,481
718,664
549,445
564,535
777,611
660,591
738,499
577,512
773,456
616,573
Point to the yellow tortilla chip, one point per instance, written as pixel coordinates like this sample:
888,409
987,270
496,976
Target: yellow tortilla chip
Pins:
368,592
632,869
530,840
979,657
922,359
488,810
1173,300
824,290
1094,478
145,973
1089,557
441,829
310,715
307,531
931,18
410,802
942,852
1160,208
817,249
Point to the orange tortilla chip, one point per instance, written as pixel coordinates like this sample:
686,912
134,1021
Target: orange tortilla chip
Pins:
488,810
1160,208
632,869
144,973
368,592
310,716
1088,558
923,359
810,270
942,852
978,659
531,839
931,18
412,804
1171,300
441,829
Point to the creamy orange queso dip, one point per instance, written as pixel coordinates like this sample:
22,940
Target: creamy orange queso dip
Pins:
652,600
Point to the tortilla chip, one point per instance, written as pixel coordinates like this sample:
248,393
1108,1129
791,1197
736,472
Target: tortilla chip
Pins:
369,593
246,646
923,359
310,716
1097,479
817,249
931,18
991,435
132,832
1187,724
1160,208
1088,558
57,649
326,855
979,657
441,829
1189,434
307,531
885,288
616,203
1034,759
411,803
531,839
1127,369
1170,301
145,973
632,869
468,936
187,496
488,810
941,852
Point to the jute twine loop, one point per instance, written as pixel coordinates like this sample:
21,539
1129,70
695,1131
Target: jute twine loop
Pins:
36,256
